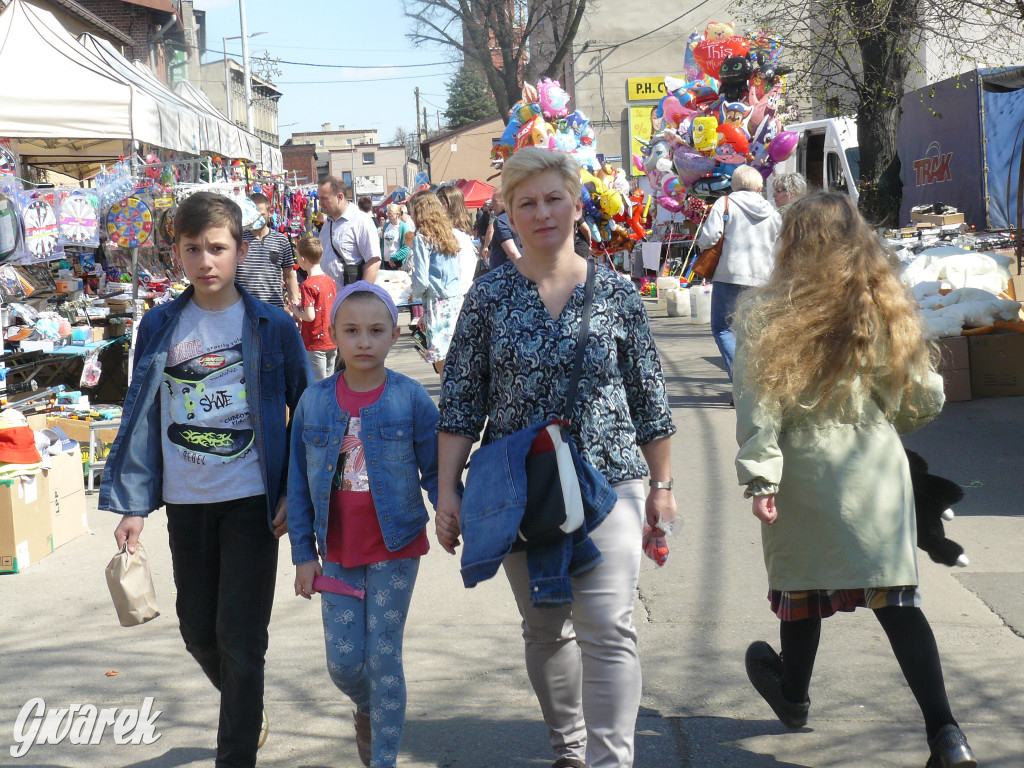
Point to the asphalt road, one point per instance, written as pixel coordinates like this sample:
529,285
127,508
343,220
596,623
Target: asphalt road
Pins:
470,704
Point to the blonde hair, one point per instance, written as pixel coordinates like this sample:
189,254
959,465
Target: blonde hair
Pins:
432,223
531,161
454,201
833,314
747,179
311,249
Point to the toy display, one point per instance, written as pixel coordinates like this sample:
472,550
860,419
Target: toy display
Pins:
129,223
725,116
542,119
39,220
79,218
8,228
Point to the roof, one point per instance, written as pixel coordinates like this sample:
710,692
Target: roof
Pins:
156,5
461,130
476,192
89,18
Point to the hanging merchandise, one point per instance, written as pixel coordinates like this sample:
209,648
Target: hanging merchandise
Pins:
129,223
8,160
39,227
79,218
164,229
114,184
8,228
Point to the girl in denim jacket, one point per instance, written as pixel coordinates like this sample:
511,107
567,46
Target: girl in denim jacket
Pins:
364,445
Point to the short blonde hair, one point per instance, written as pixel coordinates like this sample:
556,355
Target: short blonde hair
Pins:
311,249
532,161
747,179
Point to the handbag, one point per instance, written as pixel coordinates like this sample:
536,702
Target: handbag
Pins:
131,587
706,263
554,502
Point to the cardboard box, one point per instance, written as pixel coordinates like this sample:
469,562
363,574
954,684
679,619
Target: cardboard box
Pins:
25,528
78,429
997,365
954,352
937,218
956,384
68,519
65,473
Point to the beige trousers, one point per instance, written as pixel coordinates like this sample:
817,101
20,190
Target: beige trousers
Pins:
582,658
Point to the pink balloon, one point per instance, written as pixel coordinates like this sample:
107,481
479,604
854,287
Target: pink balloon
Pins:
675,112
782,146
690,164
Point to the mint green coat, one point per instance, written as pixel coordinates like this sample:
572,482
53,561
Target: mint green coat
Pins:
842,489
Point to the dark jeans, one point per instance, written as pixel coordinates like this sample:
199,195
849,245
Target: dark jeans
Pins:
723,307
225,567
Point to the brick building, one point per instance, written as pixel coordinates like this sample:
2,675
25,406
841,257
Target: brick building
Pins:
152,27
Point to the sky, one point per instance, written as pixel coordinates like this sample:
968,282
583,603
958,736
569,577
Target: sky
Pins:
353,33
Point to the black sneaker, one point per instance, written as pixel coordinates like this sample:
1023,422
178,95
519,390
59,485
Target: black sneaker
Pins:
950,749
764,669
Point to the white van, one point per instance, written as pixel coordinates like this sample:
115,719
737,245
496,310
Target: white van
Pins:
827,156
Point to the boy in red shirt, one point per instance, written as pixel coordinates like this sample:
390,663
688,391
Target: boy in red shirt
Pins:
313,309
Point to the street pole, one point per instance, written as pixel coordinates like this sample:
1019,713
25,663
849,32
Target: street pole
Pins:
419,136
246,73
227,79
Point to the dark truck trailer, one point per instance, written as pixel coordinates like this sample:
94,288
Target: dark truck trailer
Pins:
960,143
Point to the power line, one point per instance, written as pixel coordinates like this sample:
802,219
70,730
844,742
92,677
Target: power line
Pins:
341,66
647,34
358,79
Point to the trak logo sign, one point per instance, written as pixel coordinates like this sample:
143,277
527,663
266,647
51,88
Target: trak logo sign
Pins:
933,167
82,724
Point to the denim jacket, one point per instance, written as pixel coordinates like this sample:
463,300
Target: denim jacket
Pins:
277,372
400,446
492,510
434,275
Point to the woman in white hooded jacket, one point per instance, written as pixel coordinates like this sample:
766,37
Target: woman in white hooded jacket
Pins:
751,229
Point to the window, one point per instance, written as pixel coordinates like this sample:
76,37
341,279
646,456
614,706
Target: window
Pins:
346,176
368,158
320,143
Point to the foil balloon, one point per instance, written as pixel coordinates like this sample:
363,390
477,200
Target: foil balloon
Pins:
691,68
782,146
554,102
710,54
705,134
690,164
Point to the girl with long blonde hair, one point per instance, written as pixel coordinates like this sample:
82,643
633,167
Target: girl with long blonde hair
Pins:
831,367
435,275
454,202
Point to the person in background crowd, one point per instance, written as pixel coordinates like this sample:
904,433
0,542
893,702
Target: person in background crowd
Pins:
349,236
788,188
747,260
435,270
269,261
366,206
832,367
454,201
389,237
509,365
406,234
313,311
483,223
503,241
582,238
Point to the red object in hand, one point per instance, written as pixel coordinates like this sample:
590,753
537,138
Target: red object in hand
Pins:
655,545
337,586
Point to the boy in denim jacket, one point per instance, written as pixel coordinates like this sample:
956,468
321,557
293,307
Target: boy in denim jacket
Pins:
204,432
363,444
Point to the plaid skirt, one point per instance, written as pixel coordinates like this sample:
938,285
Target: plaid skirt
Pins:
822,603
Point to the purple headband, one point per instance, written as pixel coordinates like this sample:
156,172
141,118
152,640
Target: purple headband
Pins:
362,286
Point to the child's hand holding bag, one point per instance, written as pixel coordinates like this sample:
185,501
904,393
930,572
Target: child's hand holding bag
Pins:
131,587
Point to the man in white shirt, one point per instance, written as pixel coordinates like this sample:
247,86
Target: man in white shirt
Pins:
349,237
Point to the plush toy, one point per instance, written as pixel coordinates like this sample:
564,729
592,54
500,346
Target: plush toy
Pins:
933,497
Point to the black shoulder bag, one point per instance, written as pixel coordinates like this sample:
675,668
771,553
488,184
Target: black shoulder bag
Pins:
554,502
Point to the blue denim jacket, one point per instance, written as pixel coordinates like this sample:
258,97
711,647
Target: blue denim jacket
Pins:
434,275
400,445
492,509
277,372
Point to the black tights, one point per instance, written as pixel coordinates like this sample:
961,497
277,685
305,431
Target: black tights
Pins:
912,641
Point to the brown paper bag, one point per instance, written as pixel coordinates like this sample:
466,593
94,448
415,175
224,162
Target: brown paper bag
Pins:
131,587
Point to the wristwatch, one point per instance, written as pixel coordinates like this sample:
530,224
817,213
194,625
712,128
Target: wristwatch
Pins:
666,484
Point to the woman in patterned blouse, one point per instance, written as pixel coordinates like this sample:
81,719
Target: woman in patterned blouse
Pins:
508,364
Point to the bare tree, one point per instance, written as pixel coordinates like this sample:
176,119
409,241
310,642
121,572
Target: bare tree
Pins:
494,36
854,56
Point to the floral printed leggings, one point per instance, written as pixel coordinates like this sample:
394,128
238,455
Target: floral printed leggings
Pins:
364,645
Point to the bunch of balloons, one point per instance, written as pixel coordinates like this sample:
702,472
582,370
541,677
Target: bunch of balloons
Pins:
722,116
542,119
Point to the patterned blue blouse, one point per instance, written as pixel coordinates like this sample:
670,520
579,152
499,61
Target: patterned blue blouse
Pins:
511,362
